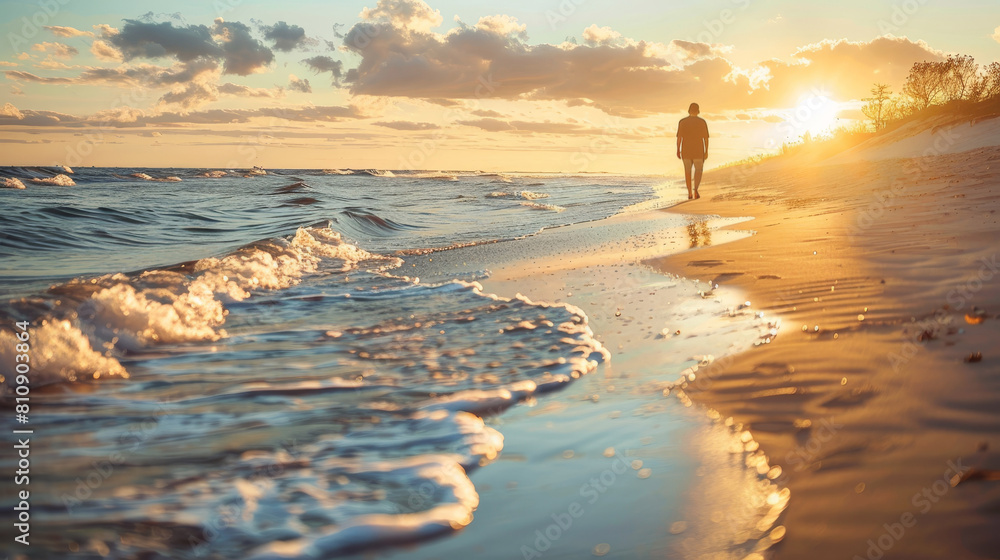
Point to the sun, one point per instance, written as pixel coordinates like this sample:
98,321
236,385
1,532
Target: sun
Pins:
816,114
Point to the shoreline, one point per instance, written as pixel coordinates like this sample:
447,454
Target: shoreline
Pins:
696,483
884,275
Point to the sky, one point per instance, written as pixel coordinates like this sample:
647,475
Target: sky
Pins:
539,85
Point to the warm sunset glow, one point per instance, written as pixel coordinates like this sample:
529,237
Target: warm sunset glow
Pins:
572,86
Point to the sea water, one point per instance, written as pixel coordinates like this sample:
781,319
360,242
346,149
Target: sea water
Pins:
229,364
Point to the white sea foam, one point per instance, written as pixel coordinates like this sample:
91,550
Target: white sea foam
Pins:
541,206
11,183
59,352
161,307
147,177
58,180
213,174
67,169
524,195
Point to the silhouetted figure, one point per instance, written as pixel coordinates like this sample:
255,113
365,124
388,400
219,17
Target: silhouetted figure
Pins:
692,147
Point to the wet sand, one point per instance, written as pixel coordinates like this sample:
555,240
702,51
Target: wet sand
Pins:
649,474
874,398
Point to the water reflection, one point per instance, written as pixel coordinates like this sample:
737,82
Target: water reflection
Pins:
699,234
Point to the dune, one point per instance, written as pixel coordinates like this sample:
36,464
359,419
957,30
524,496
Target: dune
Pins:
879,399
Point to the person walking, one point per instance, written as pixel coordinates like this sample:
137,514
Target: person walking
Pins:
692,147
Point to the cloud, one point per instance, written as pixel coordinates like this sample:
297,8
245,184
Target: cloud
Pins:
60,50
118,115
843,69
408,125
295,84
444,102
405,14
996,34
286,38
229,43
60,31
401,57
103,50
504,26
105,30
562,128
486,113
321,64
191,95
5,64
128,117
190,82
14,90
489,125
11,112
243,54
594,35
246,91
156,40
29,77
51,64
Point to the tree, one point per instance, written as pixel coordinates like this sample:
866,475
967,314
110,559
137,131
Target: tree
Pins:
925,83
876,108
960,79
991,82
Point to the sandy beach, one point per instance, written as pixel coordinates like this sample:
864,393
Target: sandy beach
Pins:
879,399
872,405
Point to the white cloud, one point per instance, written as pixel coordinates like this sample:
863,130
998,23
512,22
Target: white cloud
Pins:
407,14
60,31
60,50
103,50
503,25
10,111
594,35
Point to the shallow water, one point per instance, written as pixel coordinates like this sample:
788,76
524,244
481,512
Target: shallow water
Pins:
293,364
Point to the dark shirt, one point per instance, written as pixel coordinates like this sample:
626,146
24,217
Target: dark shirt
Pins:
692,130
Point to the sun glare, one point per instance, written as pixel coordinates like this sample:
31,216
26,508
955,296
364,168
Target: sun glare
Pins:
816,114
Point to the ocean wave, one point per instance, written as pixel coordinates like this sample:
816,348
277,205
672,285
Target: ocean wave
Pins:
338,172
379,172
147,177
396,440
213,174
541,206
11,183
59,181
293,188
434,175
112,314
374,224
498,177
66,169
525,195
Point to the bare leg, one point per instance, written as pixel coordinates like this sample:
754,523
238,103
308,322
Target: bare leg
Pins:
699,166
687,176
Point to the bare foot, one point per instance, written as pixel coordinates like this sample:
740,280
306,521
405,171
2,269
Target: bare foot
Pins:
696,195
